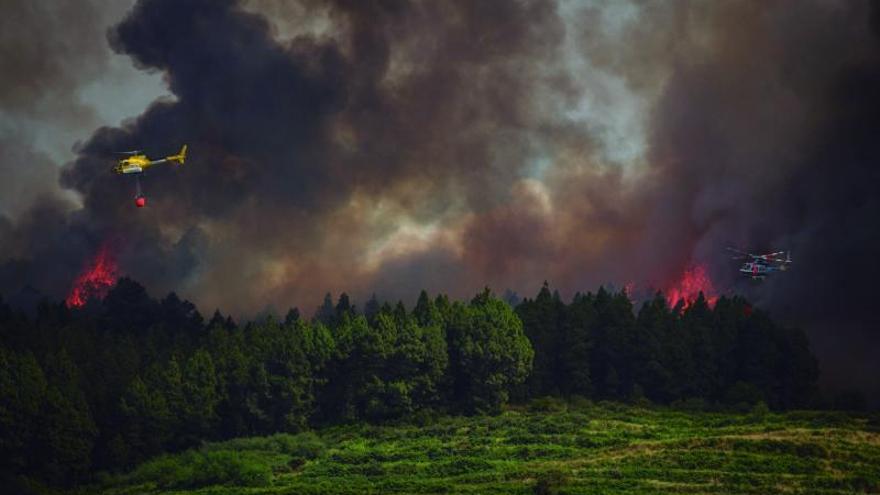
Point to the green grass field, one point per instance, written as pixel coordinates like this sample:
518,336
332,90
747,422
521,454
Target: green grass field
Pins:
605,448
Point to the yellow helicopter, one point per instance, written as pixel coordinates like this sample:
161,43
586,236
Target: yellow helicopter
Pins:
137,163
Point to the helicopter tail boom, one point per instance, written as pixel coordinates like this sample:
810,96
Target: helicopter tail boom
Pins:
180,157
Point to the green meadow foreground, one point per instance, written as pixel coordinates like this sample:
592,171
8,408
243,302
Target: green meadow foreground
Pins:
547,448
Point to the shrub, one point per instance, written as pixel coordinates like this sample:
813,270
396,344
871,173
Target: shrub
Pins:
873,423
551,482
743,393
423,417
692,404
548,404
612,406
307,445
196,469
759,412
829,419
227,468
462,465
295,463
579,402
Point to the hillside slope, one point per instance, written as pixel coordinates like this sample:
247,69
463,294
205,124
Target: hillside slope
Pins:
606,448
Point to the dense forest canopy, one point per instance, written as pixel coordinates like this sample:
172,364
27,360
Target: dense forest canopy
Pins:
117,381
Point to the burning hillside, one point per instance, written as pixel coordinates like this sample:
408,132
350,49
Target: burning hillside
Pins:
98,276
687,289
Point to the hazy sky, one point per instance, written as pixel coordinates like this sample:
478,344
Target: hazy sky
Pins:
60,82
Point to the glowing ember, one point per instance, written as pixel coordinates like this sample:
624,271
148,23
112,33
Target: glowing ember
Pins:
693,281
95,280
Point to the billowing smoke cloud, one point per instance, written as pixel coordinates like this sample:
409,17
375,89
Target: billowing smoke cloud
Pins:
57,68
767,137
392,146
40,75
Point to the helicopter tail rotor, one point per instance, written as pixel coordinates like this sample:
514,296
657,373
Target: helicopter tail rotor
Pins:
180,157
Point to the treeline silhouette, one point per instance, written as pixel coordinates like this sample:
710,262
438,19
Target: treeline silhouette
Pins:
116,382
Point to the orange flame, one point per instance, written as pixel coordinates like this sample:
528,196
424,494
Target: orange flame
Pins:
95,280
693,281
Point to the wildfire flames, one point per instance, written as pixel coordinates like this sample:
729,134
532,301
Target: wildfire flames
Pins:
95,280
693,281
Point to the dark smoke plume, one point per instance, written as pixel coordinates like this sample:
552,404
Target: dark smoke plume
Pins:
391,146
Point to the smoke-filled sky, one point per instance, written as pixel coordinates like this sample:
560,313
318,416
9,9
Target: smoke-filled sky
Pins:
390,146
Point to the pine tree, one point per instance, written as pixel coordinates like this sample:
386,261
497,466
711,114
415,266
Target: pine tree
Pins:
344,308
292,316
23,390
67,431
371,309
654,325
425,312
147,423
572,352
543,323
289,377
200,397
489,353
326,313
